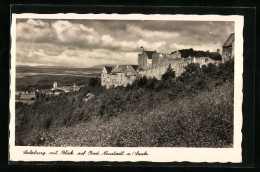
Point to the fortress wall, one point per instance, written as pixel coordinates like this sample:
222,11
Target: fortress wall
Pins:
226,53
140,61
149,63
204,61
175,55
160,62
157,59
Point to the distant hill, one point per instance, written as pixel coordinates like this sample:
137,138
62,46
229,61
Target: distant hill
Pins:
55,67
43,66
109,65
101,66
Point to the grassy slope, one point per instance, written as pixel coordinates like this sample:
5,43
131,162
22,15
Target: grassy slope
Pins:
204,120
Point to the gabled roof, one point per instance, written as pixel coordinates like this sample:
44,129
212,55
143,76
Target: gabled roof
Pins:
135,67
127,69
150,54
230,40
109,69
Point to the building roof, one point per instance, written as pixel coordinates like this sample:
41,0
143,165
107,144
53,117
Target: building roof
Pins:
119,69
150,54
109,69
135,67
230,40
127,69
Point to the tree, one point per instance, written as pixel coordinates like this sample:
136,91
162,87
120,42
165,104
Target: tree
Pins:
37,96
151,83
169,74
93,82
193,69
142,81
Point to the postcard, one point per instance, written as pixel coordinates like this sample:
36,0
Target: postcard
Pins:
126,88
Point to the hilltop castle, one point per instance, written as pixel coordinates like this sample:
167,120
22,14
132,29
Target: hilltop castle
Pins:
154,64
150,64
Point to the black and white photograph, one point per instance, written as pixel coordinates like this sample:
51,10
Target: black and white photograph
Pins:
122,82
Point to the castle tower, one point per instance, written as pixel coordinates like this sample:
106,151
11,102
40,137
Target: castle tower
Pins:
228,48
145,59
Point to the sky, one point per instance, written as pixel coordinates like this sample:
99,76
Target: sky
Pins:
87,43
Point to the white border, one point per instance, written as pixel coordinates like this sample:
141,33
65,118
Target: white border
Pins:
163,154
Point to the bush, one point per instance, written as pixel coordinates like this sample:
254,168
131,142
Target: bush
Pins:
93,82
169,74
151,83
192,53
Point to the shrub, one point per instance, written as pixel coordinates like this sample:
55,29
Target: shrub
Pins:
141,82
93,82
192,53
169,74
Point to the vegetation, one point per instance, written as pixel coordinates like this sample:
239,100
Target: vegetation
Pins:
192,110
192,53
34,82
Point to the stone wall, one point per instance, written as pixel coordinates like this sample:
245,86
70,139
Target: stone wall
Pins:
161,64
115,80
140,61
203,60
157,59
227,53
143,61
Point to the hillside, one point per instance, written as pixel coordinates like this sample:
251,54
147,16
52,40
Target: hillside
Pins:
192,110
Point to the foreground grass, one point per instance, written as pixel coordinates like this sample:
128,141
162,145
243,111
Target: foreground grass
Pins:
203,120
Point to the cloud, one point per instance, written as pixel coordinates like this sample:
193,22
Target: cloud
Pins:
78,58
91,42
74,34
148,34
34,31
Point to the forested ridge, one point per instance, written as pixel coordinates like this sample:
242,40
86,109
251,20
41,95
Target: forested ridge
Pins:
192,110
